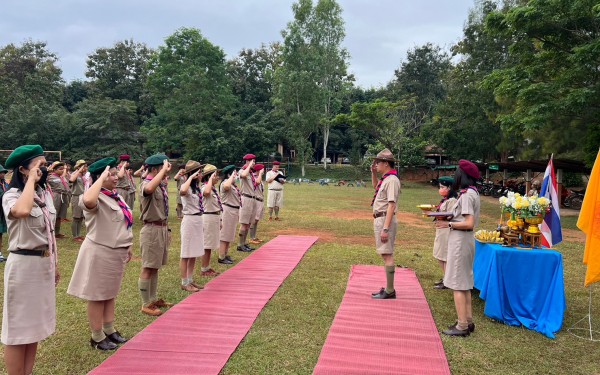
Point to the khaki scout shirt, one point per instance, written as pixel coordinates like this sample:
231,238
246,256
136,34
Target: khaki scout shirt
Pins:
260,190
467,204
77,187
27,233
56,184
246,185
106,223
191,203
388,192
211,204
153,205
230,196
274,184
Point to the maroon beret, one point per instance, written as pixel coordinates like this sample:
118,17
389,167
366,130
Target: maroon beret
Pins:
124,157
258,167
276,162
249,157
469,168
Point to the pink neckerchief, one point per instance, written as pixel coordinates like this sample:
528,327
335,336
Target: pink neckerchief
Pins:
124,208
49,229
238,192
62,179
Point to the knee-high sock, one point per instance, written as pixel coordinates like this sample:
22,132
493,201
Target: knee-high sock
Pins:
276,211
270,211
243,235
253,230
389,275
154,287
144,286
76,227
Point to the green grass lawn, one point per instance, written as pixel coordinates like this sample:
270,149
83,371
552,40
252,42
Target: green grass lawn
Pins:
290,331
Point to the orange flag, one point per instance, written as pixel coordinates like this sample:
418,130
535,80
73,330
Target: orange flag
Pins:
589,223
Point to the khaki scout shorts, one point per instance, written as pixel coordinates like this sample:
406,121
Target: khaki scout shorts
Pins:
388,247
248,210
154,241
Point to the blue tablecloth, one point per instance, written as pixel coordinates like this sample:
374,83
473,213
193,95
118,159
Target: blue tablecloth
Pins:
521,287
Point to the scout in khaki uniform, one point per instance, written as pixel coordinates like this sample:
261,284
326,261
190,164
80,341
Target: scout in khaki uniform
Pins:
30,274
102,258
154,236
3,189
180,179
192,225
385,226
77,180
248,209
440,244
275,179
461,246
212,216
60,192
231,198
126,184
259,169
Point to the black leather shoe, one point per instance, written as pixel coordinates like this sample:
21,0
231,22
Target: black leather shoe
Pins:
384,295
105,344
456,332
244,248
378,292
471,326
226,260
439,282
116,338
249,248
440,286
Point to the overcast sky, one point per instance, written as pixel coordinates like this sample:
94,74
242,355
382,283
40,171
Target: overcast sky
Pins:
378,32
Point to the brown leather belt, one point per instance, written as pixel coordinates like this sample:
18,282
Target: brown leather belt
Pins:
213,213
275,189
156,223
379,214
228,205
259,199
247,195
196,214
463,230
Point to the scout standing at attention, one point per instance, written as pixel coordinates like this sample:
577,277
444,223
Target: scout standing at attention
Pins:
231,199
192,226
154,236
60,193
212,216
78,187
384,205
3,189
126,184
30,274
461,247
102,258
275,179
260,206
248,209
180,180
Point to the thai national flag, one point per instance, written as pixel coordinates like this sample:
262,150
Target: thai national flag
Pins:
551,228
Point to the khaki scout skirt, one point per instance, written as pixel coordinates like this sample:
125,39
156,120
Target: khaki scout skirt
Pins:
29,310
440,244
230,220
98,271
192,236
212,229
459,264
248,210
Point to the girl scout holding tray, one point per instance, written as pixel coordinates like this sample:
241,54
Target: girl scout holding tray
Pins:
102,258
30,275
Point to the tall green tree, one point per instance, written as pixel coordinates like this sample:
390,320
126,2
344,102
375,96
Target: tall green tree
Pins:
31,93
554,83
311,81
193,98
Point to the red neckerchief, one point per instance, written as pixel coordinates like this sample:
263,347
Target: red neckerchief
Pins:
391,172
126,210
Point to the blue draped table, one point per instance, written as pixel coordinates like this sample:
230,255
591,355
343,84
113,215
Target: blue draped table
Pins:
521,287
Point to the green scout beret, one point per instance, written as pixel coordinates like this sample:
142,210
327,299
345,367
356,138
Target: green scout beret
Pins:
446,180
23,153
100,165
2,169
228,169
157,159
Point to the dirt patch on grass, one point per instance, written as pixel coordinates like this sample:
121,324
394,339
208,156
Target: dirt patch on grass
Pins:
347,214
413,220
573,235
330,237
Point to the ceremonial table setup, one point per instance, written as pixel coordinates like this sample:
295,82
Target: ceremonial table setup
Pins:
520,281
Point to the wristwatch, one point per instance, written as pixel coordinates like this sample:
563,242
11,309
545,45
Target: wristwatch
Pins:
385,230
450,226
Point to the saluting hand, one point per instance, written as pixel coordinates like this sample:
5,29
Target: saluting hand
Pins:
252,162
35,173
373,168
214,178
166,166
105,173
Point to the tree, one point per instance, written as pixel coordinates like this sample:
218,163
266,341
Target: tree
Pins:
553,84
193,97
30,95
312,78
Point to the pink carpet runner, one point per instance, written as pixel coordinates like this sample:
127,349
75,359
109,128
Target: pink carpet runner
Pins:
199,334
382,336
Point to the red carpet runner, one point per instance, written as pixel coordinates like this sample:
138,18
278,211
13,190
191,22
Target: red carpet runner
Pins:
199,334
382,336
